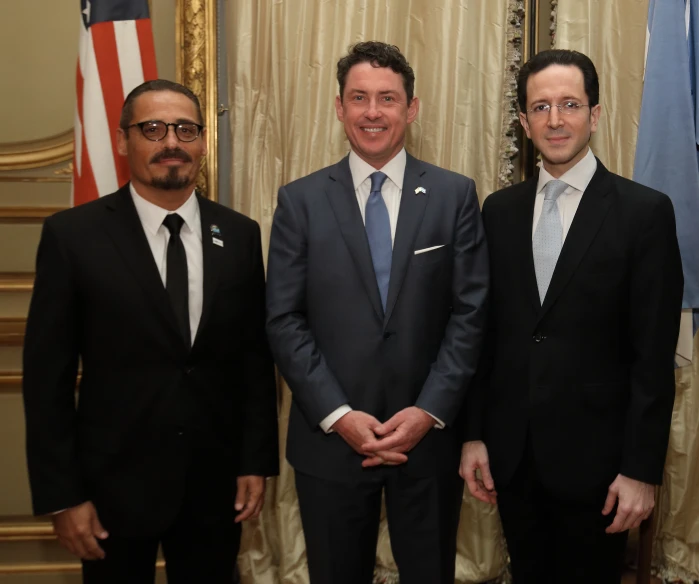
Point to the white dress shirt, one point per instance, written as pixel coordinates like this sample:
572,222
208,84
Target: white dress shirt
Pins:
158,236
577,179
391,192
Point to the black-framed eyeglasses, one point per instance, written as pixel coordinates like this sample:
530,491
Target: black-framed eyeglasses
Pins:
566,108
156,130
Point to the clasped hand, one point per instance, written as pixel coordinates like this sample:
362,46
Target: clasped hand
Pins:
385,443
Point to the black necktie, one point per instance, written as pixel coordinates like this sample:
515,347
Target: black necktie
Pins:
177,282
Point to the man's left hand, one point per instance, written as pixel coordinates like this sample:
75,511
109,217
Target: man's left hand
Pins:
399,434
250,497
636,502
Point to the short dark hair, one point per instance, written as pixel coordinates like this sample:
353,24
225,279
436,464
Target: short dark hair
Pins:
379,55
154,85
545,59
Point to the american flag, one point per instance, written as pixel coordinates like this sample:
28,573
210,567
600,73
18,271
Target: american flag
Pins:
116,55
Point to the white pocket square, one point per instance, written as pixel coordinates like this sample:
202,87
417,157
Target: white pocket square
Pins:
418,251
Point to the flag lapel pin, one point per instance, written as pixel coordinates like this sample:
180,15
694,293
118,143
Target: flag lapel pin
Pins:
216,235
420,190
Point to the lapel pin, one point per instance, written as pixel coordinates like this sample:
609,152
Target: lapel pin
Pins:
216,235
420,190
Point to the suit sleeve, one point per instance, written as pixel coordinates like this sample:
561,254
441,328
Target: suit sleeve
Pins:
443,392
655,305
50,364
260,447
313,385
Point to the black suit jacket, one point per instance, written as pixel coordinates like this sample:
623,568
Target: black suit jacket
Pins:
590,373
149,410
331,339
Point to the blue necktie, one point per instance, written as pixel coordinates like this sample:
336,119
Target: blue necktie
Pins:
378,231
548,237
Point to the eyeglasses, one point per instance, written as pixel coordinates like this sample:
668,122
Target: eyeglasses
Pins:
567,108
156,130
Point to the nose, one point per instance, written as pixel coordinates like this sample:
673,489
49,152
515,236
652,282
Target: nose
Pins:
555,118
171,139
372,111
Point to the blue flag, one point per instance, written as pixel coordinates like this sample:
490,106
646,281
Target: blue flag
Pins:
668,132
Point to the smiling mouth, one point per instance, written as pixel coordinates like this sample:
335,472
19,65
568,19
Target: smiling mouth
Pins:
373,130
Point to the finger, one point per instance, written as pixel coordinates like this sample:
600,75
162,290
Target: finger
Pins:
372,461
618,523
633,518
388,426
636,523
79,548
245,513
488,481
97,530
391,456
395,440
93,549
609,503
241,496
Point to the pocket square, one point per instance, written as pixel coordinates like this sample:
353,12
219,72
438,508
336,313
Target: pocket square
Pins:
419,251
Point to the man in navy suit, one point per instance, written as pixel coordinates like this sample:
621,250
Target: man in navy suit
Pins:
377,282
572,404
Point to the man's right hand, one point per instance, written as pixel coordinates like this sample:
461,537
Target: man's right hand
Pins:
474,456
78,529
357,428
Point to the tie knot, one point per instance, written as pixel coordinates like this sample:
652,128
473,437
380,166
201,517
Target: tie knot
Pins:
554,189
377,180
174,223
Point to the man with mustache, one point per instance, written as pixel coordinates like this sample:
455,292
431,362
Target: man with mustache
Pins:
569,415
159,294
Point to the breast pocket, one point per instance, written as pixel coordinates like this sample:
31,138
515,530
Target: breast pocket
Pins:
433,256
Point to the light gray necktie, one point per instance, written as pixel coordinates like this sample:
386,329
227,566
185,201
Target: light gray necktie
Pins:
548,237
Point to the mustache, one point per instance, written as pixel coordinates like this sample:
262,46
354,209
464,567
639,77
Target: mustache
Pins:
171,153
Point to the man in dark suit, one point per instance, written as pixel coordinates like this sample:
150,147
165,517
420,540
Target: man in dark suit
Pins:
571,407
377,279
159,293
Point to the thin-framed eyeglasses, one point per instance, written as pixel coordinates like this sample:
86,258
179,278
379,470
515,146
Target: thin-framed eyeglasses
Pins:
156,130
567,108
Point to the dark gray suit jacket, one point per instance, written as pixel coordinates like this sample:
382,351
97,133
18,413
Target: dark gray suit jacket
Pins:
328,332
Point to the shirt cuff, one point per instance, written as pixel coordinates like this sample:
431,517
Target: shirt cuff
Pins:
439,425
326,423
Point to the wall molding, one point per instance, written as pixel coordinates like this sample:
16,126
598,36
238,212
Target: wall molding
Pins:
16,281
18,214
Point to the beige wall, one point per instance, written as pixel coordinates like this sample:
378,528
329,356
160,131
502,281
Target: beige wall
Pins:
37,69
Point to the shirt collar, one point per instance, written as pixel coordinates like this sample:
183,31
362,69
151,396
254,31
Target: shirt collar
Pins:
152,216
393,169
577,177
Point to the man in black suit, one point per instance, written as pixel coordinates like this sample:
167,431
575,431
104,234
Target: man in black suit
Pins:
571,407
376,290
159,293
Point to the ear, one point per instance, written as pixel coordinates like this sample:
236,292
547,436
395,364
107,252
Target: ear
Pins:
413,109
338,108
525,124
595,114
122,142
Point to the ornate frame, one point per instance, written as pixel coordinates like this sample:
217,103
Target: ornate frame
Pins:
197,68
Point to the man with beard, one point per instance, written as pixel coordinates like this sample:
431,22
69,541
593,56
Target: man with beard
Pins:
159,293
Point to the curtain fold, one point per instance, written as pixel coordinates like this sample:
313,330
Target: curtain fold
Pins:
613,34
282,66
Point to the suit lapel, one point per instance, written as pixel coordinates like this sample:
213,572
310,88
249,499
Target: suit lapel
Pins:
343,200
410,214
126,231
213,256
588,219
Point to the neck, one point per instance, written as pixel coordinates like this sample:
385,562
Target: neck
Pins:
558,170
169,200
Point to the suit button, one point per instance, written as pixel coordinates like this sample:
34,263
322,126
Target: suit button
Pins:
180,431
537,338
189,370
387,336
